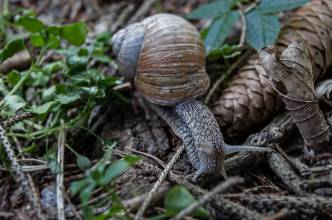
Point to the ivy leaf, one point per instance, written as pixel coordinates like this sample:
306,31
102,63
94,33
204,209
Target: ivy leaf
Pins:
212,10
75,33
15,102
31,24
219,30
11,48
273,6
178,198
263,29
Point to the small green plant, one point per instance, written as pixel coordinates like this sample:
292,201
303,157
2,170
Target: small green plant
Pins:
261,21
67,88
177,199
101,176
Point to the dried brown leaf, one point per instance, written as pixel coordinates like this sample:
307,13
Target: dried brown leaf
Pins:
291,76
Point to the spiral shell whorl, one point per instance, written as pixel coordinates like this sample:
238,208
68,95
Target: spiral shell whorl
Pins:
126,45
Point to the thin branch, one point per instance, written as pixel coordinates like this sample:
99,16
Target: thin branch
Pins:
162,176
21,178
158,161
59,177
222,204
16,118
244,26
142,11
221,187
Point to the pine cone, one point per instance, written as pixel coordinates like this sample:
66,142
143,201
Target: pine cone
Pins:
250,99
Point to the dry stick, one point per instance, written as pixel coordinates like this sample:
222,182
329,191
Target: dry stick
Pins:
21,178
297,165
121,19
142,11
221,187
75,212
134,203
284,171
220,203
59,177
244,26
16,118
310,204
235,65
272,133
156,159
126,85
162,176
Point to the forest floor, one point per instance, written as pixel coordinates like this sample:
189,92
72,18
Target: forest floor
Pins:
286,184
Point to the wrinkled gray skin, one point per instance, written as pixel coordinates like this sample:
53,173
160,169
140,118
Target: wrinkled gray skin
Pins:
193,122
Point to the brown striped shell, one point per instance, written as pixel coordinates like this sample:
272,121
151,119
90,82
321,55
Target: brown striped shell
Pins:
170,64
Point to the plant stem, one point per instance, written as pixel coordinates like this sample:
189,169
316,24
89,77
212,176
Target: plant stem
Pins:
16,87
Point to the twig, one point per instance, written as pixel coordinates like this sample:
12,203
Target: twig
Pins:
75,212
229,71
309,205
272,133
244,26
134,203
297,165
121,19
285,172
142,11
208,196
222,204
21,178
158,161
126,85
59,177
162,176
6,215
16,118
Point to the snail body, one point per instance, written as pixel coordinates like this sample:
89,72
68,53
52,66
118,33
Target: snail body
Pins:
164,57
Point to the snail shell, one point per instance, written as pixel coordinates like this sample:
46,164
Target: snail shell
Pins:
165,57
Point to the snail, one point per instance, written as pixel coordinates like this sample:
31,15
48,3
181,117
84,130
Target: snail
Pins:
164,57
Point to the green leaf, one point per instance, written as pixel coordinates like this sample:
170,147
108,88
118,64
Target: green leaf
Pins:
262,29
213,9
117,168
219,30
31,24
13,77
36,40
67,98
75,33
273,6
15,102
77,186
83,162
178,198
48,93
43,108
11,48
86,193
